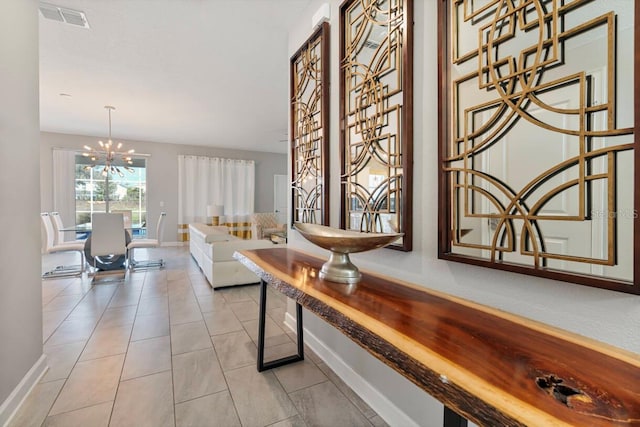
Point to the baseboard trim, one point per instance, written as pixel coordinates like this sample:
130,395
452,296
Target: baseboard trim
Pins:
12,404
391,414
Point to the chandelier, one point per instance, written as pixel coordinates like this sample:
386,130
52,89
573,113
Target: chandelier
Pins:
109,155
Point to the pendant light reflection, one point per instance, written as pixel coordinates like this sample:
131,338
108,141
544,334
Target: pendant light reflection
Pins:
109,155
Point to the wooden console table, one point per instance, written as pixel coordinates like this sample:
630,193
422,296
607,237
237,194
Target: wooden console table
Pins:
492,367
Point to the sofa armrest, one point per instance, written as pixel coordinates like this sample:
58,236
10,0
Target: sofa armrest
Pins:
260,232
209,233
223,229
256,231
267,232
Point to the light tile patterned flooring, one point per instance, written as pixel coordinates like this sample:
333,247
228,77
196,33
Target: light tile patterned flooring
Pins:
161,348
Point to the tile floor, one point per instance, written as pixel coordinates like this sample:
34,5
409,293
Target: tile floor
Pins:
161,348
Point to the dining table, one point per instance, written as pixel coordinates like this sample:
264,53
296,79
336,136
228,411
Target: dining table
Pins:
105,262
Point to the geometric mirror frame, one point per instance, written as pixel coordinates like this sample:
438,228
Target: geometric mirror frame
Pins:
538,114
376,117
310,129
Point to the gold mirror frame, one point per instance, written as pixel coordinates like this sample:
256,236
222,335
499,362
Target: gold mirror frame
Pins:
506,72
376,114
309,80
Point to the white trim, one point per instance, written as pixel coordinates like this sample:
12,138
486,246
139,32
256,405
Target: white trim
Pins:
12,404
389,412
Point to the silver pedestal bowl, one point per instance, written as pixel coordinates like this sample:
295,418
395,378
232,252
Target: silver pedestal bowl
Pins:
341,243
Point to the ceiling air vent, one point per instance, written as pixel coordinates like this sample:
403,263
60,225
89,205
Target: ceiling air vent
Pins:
61,14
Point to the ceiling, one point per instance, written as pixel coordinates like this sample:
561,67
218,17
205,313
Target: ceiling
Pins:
199,72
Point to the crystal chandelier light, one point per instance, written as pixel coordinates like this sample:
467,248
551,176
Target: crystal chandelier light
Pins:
109,155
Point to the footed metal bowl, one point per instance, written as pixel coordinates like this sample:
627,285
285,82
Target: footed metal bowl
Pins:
341,243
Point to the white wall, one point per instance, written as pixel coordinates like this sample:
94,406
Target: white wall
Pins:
611,317
162,172
20,288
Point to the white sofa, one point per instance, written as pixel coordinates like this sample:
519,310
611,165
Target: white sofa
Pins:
201,234
213,247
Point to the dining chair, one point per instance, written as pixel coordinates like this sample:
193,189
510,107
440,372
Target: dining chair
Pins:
147,243
58,226
52,247
127,215
108,237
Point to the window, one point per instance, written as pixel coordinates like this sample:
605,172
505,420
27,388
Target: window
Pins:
127,192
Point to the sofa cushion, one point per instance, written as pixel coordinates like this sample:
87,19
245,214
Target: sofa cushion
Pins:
205,230
223,251
219,237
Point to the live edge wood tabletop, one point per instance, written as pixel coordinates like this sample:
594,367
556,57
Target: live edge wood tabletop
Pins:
492,367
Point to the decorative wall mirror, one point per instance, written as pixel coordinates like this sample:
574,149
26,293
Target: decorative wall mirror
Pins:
537,127
310,129
376,111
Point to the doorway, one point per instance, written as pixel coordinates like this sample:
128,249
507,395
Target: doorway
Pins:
280,194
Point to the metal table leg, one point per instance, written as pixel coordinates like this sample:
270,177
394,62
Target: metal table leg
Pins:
452,419
262,365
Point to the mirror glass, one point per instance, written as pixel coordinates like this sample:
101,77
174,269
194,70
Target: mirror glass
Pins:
309,130
539,159
375,139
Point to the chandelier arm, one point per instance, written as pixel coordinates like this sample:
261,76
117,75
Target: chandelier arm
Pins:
110,154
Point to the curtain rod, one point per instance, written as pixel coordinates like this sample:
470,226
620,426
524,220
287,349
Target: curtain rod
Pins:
75,150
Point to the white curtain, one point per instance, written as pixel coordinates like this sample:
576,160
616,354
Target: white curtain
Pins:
64,191
206,181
